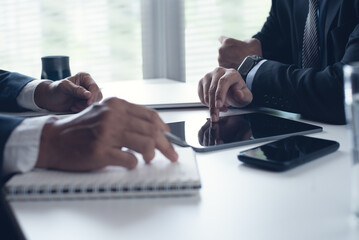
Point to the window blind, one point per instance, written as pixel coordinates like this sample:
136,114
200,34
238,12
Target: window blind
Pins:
101,37
105,37
206,20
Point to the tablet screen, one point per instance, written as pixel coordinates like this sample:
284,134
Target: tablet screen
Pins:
238,130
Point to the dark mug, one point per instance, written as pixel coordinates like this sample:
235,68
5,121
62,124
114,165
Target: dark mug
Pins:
55,67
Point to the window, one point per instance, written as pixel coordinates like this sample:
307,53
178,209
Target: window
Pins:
101,37
206,20
109,38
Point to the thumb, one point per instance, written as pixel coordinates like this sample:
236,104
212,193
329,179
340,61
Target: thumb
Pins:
242,97
229,41
222,38
75,90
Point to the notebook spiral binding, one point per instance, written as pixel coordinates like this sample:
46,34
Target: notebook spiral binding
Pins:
24,193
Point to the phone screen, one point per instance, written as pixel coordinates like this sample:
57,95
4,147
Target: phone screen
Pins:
288,152
288,149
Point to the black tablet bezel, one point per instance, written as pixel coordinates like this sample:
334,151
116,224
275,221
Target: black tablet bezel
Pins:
261,122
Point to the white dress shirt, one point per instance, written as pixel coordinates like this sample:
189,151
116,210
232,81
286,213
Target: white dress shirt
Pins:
252,73
22,147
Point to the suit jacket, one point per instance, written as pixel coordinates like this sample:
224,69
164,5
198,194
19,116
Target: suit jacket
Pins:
10,86
281,83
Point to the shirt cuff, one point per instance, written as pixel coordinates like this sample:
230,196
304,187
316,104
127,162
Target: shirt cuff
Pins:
252,73
22,147
26,98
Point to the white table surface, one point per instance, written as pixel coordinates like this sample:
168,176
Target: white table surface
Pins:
236,202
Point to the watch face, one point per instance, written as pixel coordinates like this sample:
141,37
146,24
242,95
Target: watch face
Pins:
246,66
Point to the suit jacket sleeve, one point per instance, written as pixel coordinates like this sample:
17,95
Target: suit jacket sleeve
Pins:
11,84
287,88
273,40
7,125
316,94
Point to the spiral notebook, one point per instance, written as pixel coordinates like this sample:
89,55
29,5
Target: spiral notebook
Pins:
159,178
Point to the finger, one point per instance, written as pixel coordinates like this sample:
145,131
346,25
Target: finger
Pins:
216,76
137,111
145,137
222,38
140,143
149,115
138,140
229,79
96,93
85,80
121,158
214,106
99,96
206,85
74,90
227,41
200,91
166,147
214,112
142,127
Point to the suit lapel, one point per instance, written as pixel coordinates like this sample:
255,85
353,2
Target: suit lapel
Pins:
332,11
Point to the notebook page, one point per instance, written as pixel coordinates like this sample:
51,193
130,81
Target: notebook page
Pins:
159,173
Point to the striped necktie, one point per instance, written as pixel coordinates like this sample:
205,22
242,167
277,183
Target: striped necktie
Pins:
310,50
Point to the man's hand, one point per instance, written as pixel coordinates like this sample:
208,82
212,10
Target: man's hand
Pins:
222,88
232,52
71,94
95,138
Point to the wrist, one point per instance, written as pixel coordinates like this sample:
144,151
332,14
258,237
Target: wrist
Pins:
41,94
254,47
248,64
48,136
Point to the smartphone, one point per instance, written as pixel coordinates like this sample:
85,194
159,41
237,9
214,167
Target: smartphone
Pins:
288,152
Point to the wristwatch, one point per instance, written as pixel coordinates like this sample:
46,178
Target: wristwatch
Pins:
247,65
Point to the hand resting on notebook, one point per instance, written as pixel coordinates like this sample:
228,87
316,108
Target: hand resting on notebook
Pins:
95,138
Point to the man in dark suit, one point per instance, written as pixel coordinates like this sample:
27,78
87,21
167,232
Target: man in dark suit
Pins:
88,140
11,86
278,75
59,98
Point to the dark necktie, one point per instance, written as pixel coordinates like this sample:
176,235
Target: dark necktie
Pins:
310,51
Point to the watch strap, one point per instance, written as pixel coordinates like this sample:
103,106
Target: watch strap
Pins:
248,64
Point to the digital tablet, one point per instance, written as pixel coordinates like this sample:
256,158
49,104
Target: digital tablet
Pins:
238,130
